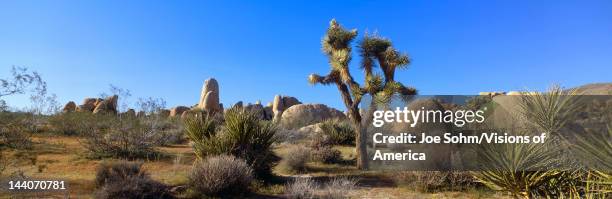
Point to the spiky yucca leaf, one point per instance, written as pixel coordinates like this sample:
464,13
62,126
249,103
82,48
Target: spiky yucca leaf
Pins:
200,130
595,149
550,110
374,83
396,59
337,37
525,170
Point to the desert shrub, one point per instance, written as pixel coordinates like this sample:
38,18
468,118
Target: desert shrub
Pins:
243,135
327,155
172,136
127,138
127,180
15,136
296,158
220,175
3,162
75,123
338,132
15,130
320,140
290,136
171,131
301,188
478,102
433,181
339,187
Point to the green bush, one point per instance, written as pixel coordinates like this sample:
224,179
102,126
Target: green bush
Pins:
201,129
127,180
338,132
243,135
220,175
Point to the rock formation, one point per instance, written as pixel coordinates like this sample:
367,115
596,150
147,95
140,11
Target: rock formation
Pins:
277,107
108,105
237,105
268,113
69,107
178,111
88,105
280,104
209,98
492,94
289,101
188,113
301,115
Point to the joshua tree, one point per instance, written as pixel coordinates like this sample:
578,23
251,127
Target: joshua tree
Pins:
374,51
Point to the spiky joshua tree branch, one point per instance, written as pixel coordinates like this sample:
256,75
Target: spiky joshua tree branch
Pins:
375,52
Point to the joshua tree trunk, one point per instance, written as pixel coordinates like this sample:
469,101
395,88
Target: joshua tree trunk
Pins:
361,146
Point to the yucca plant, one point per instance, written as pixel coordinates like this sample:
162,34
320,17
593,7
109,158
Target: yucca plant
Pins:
535,170
524,170
595,150
200,129
243,135
550,110
246,136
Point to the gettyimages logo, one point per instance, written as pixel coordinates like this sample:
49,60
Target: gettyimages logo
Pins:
454,133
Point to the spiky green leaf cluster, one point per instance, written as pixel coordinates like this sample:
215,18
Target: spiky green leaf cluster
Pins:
526,170
337,38
201,130
243,135
375,51
551,110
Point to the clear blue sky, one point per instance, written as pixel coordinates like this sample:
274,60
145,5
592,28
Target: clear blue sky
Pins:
257,49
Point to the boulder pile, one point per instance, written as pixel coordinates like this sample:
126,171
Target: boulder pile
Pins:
306,114
94,105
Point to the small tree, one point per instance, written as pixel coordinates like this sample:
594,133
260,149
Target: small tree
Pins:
21,80
374,51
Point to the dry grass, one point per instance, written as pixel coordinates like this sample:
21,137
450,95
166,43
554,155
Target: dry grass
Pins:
64,160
